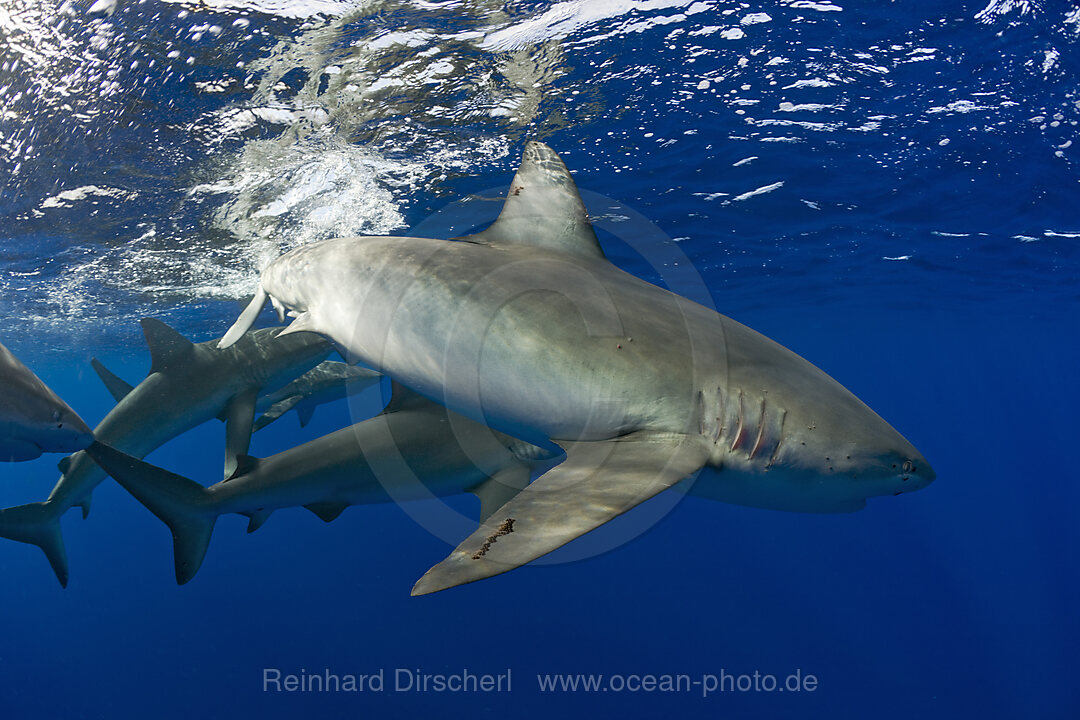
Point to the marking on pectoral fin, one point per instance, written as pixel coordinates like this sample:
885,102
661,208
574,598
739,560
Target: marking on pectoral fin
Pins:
506,528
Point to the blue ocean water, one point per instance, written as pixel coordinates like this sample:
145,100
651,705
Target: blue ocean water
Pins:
886,188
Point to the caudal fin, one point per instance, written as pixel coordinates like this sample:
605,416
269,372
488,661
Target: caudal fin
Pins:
182,504
38,524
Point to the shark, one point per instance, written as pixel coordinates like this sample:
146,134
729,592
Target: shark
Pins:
187,385
527,327
33,419
414,449
329,380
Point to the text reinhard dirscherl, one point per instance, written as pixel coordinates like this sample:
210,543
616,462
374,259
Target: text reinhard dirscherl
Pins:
398,680
408,680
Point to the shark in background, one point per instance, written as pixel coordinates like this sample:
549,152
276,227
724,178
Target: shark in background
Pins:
33,420
528,328
328,381
414,449
187,385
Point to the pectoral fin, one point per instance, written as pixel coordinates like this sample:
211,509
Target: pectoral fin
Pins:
304,322
245,321
596,482
239,417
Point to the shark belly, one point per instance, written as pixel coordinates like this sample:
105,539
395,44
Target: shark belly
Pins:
779,489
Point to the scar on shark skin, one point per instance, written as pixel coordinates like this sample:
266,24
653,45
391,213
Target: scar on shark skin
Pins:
506,528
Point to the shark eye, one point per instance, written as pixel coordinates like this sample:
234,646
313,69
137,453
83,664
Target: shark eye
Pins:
57,418
908,467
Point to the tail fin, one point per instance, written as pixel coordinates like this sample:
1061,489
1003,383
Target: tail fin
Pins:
182,504
38,524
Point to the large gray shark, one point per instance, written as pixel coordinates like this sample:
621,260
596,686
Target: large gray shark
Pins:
188,384
527,327
414,449
33,420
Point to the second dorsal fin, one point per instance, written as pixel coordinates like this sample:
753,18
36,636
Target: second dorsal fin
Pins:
543,209
166,345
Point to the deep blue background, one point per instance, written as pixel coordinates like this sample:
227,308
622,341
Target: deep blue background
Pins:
957,600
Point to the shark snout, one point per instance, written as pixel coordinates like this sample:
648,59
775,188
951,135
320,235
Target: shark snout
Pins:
909,470
68,434
888,466
915,469
81,441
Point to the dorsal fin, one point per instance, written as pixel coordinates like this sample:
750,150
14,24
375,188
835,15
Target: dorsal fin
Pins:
400,396
543,209
117,388
166,345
